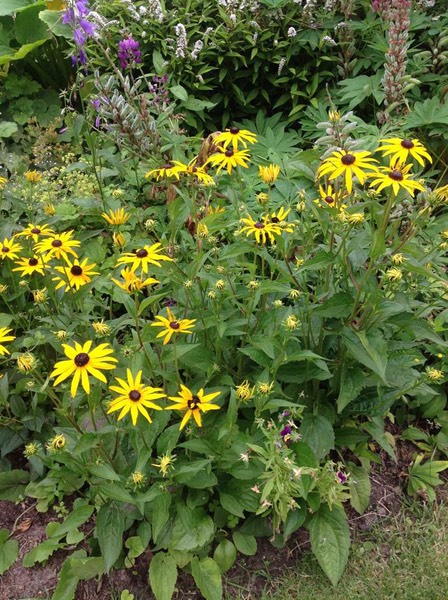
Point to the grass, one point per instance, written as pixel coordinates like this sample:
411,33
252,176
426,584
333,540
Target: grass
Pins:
402,558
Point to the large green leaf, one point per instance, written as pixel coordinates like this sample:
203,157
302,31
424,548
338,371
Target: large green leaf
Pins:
225,555
318,433
192,530
110,523
9,551
29,29
352,382
207,577
360,488
163,576
246,544
330,540
368,350
12,484
8,7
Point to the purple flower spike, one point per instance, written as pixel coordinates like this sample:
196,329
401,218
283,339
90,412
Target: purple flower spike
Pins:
128,52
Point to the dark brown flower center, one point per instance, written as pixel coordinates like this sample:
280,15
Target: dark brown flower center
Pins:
229,153
396,175
408,144
174,325
35,230
348,159
193,403
33,262
275,220
167,166
329,199
76,270
5,249
81,359
134,395
141,253
259,225
234,130
56,243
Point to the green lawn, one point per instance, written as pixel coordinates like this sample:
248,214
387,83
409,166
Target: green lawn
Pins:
403,558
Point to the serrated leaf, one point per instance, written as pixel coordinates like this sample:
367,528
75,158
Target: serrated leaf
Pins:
110,524
163,576
330,541
76,518
9,551
68,581
41,552
368,350
360,487
352,382
318,433
246,544
207,577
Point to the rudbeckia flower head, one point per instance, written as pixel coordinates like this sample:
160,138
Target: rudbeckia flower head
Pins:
400,150
193,404
348,165
234,136
172,326
134,397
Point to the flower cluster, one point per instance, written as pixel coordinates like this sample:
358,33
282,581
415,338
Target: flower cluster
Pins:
76,15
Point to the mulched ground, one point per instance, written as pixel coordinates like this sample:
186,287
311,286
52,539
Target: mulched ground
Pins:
250,573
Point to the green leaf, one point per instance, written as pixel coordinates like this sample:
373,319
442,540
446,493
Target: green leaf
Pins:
231,504
12,484
162,576
76,518
318,433
246,544
160,513
369,351
8,7
158,61
7,129
330,540
179,92
41,552
53,19
352,382
9,551
225,555
207,577
360,488
192,529
68,581
339,305
29,29
110,524
104,471
87,568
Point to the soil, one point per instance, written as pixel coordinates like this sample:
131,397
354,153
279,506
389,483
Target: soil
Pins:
251,573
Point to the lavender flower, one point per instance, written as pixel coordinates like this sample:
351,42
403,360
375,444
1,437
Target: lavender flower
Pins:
128,52
76,16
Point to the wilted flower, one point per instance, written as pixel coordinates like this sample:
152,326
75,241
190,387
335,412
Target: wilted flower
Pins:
118,239
243,391
253,285
40,296
137,478
26,362
100,327
49,209
355,218
397,258
434,374
220,284
3,288
164,463
394,274
291,322
262,198
33,176
57,443
61,334
211,294
31,449
265,388
294,294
